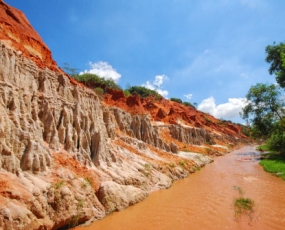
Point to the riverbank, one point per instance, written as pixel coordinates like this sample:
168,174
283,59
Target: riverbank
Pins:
274,163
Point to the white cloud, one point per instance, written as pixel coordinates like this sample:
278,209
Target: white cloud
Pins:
159,80
156,84
103,69
163,93
188,96
149,85
229,110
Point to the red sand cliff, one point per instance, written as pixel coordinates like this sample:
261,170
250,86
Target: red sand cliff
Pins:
170,112
16,30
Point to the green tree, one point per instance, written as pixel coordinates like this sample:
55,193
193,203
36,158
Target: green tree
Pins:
264,109
276,57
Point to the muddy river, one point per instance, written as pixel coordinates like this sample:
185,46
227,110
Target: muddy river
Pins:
205,200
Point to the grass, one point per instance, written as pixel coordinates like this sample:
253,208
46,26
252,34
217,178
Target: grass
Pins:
262,148
57,196
75,218
58,184
147,166
207,120
147,171
86,182
242,205
274,163
208,150
182,164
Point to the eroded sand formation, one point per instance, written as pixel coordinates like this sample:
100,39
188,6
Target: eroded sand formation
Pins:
68,157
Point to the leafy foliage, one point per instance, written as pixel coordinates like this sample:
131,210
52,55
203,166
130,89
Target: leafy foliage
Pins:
276,142
92,80
264,108
245,131
127,93
276,56
176,100
188,104
99,90
143,91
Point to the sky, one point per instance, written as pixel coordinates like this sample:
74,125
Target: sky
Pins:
208,52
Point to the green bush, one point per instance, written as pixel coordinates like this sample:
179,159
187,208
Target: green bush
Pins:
143,91
127,93
276,142
188,104
245,131
99,90
92,80
176,100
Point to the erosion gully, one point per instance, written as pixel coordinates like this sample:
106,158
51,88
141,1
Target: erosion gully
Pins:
205,199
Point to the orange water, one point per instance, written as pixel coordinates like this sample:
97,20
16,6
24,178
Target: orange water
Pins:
205,199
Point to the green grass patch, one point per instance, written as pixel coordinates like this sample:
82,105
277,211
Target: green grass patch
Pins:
262,148
58,184
274,163
243,206
182,164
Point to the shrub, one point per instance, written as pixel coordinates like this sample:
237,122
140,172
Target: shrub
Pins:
127,93
207,120
99,90
276,142
143,91
176,100
188,104
245,130
93,80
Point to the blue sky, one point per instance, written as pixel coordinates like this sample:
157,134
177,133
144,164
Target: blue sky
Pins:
207,52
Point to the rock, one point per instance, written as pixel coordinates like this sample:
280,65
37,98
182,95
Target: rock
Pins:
200,159
189,135
118,197
161,114
173,147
